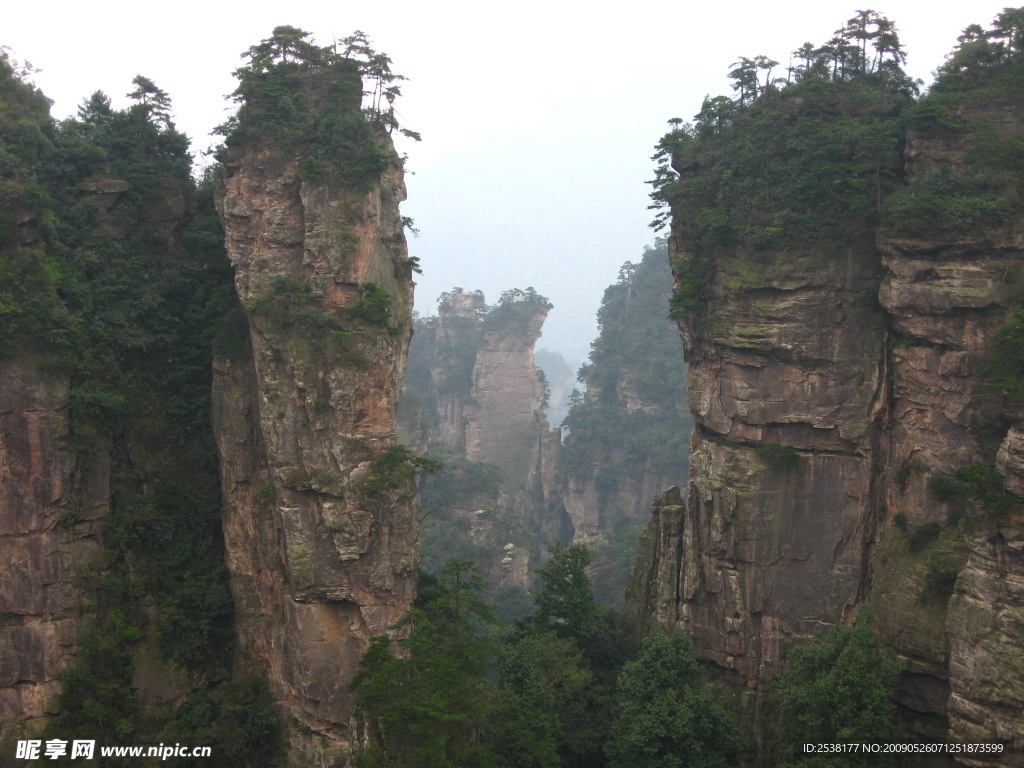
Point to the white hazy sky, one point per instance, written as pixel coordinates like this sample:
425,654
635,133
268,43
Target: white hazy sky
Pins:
538,117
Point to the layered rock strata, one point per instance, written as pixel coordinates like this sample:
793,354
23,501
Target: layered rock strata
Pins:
946,295
784,386
48,532
475,372
505,424
823,416
303,412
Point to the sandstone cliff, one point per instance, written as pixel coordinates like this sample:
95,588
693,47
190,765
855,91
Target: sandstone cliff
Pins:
847,436
108,495
39,544
946,295
476,400
319,521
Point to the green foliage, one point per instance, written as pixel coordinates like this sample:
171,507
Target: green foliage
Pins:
540,696
1005,368
266,494
789,164
456,356
986,62
374,305
294,303
787,169
985,488
118,279
921,535
637,351
167,539
778,457
542,679
565,596
940,576
459,482
636,346
567,618
277,101
438,717
512,603
667,719
514,311
238,718
135,298
838,689
975,488
29,275
467,487
96,699
907,470
987,68
395,470
944,200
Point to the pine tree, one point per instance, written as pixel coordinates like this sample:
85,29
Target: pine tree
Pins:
667,718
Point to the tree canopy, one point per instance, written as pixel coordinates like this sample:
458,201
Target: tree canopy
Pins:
667,719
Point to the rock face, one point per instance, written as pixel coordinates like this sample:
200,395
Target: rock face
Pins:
303,413
823,418
946,296
774,542
480,397
506,424
44,539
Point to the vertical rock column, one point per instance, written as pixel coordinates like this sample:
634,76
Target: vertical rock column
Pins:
302,408
507,424
947,292
47,534
785,378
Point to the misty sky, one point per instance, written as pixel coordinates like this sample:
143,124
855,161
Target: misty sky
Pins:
538,118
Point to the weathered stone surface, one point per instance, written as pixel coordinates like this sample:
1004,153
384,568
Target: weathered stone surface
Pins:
789,352
46,535
762,556
506,424
1010,460
318,566
772,545
488,407
986,632
875,400
652,597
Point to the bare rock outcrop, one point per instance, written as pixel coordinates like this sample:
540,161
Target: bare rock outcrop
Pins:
304,412
45,539
785,381
947,293
478,397
827,423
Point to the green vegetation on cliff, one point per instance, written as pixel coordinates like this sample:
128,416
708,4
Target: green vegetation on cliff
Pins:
113,274
137,286
791,162
667,718
985,70
634,420
462,516
337,139
637,360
